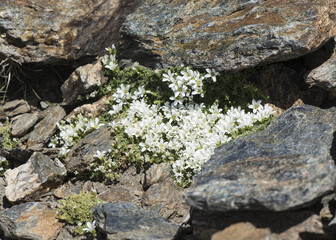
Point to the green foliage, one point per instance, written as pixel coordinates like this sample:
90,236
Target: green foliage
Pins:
7,141
258,126
77,209
3,165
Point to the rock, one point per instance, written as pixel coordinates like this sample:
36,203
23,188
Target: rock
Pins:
13,108
44,130
282,167
228,35
324,76
93,110
284,84
166,199
16,156
156,173
243,231
56,32
32,220
81,155
2,193
31,180
287,225
124,220
23,123
82,81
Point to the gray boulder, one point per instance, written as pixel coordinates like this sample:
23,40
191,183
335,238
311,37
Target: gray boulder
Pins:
226,35
288,165
125,220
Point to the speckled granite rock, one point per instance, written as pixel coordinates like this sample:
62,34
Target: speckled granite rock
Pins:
324,76
32,220
288,165
60,31
226,35
31,180
125,220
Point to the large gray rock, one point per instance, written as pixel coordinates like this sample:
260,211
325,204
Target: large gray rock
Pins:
32,220
58,31
288,165
31,180
125,220
226,35
324,76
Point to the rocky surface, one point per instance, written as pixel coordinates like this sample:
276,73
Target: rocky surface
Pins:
283,167
127,221
57,32
81,155
243,231
324,76
83,80
44,130
274,184
24,123
226,35
31,180
30,220
14,108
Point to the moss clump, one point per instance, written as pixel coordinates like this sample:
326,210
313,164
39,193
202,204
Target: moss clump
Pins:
77,209
7,141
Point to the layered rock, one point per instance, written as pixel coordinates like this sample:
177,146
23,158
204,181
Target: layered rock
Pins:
324,76
288,165
124,220
30,220
54,32
31,180
226,35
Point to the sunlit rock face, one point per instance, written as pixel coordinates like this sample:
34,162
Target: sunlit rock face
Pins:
227,35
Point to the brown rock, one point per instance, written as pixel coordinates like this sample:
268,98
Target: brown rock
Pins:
94,110
226,35
82,81
31,220
243,231
58,31
13,108
166,198
23,123
156,173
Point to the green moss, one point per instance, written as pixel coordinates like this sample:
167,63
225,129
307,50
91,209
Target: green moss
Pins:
77,209
7,141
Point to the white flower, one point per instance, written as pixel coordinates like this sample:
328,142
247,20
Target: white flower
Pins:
255,105
100,155
90,226
95,124
211,73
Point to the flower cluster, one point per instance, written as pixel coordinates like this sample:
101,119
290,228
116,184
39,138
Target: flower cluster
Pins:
185,135
70,132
